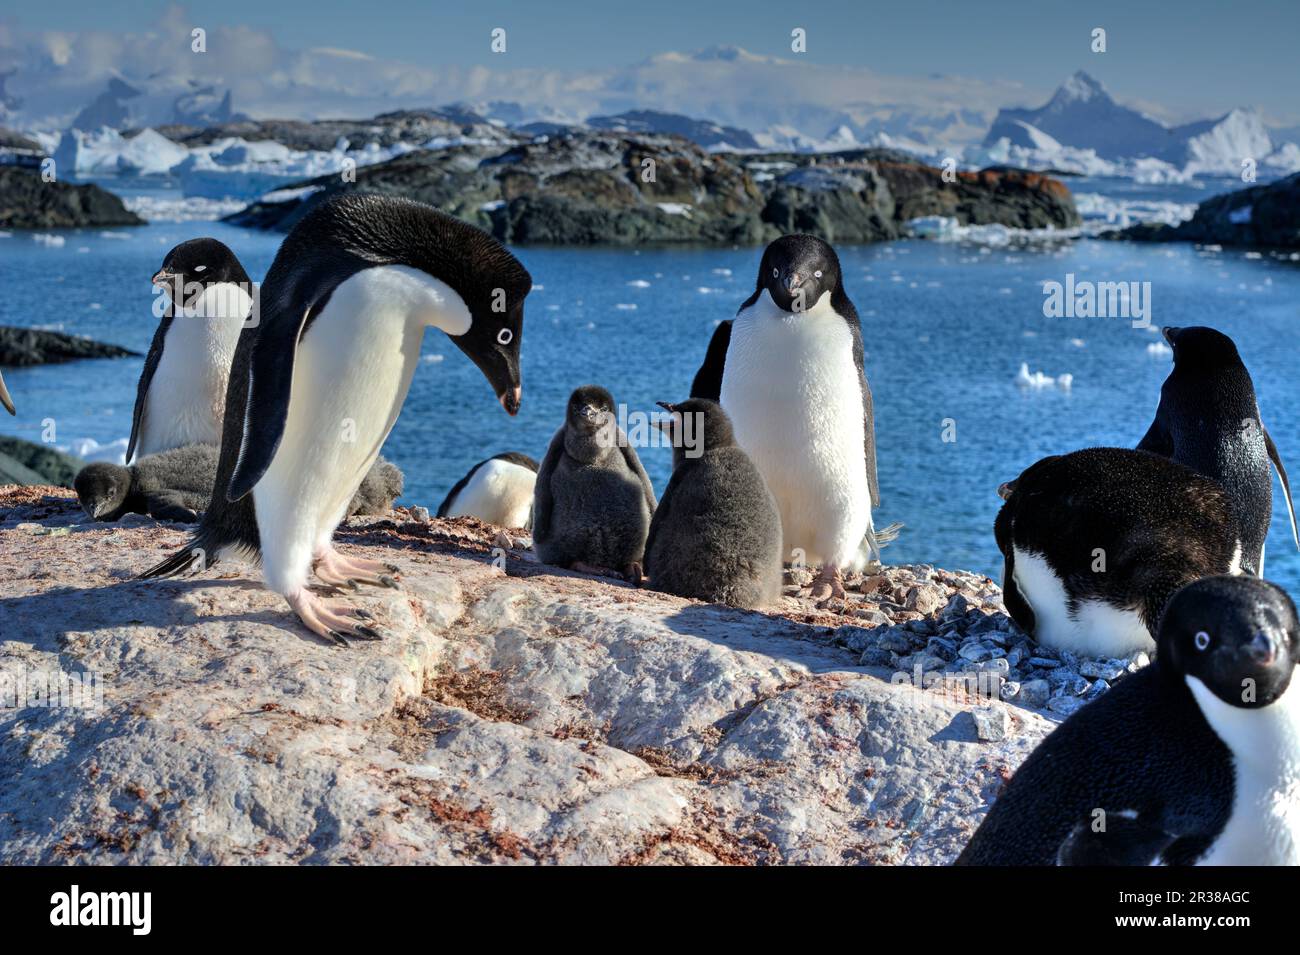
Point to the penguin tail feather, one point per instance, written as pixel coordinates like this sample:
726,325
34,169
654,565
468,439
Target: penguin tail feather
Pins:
199,551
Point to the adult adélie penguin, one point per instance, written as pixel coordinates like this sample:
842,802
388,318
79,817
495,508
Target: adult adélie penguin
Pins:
1208,420
318,382
788,371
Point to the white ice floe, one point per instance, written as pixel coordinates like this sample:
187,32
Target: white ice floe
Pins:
88,449
625,307
638,283
676,208
180,209
1158,349
52,241
1038,381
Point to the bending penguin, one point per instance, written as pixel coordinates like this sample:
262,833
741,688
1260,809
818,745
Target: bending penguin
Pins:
1208,419
716,534
788,370
498,491
593,501
1096,541
181,397
1194,760
320,379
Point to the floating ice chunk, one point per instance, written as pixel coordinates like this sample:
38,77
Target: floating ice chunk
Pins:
1038,381
1158,349
52,241
638,283
88,449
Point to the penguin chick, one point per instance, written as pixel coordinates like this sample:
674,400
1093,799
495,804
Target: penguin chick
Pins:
174,485
716,534
593,502
381,486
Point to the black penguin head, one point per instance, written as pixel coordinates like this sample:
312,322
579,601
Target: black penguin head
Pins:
1237,635
102,489
1200,347
797,270
192,266
591,409
695,426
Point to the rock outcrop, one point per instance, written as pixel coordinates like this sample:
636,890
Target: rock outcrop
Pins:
514,713
1264,216
23,462
587,187
22,347
27,201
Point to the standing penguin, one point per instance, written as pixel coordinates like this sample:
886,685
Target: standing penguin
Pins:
318,382
593,501
498,491
788,371
1208,419
716,534
1193,760
181,397
1096,541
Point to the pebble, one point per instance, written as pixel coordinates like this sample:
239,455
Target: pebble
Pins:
1102,669
876,657
1097,689
1065,705
992,723
974,652
1044,663
420,514
1034,693
1010,691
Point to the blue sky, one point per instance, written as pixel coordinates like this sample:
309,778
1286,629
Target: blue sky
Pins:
1193,57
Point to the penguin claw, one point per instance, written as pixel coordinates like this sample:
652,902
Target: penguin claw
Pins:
338,638
367,633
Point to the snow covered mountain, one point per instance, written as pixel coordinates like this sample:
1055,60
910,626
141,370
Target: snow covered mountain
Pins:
1082,128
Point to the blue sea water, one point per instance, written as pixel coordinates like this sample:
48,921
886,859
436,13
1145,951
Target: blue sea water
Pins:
946,328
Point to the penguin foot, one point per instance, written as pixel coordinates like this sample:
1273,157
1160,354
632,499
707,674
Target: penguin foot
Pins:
634,573
829,585
332,623
583,567
333,568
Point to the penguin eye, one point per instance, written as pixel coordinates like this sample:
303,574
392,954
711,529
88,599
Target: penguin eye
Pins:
200,268
1202,640
775,271
817,274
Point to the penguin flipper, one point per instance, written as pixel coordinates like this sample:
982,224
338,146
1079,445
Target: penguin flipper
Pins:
634,462
1286,484
869,439
5,399
269,386
1157,440
542,499
146,379
708,380
1126,839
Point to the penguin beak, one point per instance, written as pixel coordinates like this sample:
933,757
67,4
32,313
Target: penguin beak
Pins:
1006,489
163,278
791,281
510,400
4,397
589,412
1262,649
1170,333
665,424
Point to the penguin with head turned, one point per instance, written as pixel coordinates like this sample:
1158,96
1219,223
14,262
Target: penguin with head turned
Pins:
1208,419
593,501
1193,760
716,534
1094,543
788,371
319,380
181,396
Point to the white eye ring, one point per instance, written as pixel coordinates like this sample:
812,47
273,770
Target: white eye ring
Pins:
817,274
775,272
200,268
505,336
1202,640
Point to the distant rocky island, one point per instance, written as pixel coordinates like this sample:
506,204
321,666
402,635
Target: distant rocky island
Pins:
584,187
28,201
1266,216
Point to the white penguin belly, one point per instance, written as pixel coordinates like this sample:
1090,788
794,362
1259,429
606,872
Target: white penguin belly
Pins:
499,493
352,371
1264,827
1095,628
186,402
792,391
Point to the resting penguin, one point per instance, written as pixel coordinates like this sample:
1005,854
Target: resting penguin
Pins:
318,381
498,491
1208,419
1192,760
1096,541
788,371
181,397
716,534
593,501
176,485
